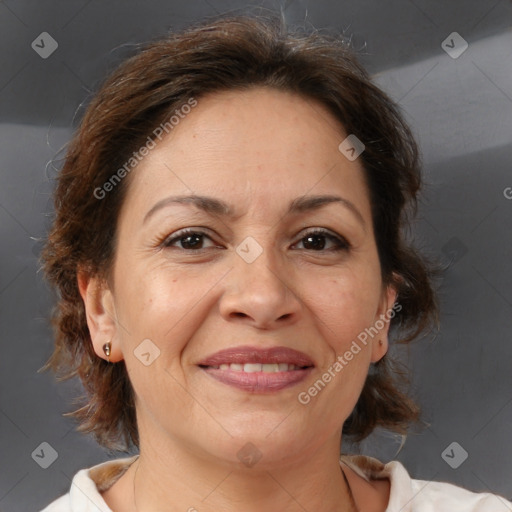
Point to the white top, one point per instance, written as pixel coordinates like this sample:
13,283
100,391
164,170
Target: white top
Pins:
406,494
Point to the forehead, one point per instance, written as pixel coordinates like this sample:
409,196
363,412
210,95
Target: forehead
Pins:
255,145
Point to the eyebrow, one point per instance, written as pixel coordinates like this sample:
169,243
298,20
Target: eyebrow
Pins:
218,207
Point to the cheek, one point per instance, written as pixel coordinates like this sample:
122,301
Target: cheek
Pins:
145,293
345,305
157,303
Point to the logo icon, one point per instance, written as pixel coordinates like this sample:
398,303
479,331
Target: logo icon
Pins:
454,249
454,45
249,249
351,147
454,455
45,455
44,45
249,455
146,352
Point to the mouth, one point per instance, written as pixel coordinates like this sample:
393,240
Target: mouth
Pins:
258,370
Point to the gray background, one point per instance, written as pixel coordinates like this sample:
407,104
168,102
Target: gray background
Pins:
461,111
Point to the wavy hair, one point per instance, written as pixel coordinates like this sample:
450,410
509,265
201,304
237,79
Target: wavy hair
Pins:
228,53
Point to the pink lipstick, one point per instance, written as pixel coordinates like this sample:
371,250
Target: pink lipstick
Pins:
258,370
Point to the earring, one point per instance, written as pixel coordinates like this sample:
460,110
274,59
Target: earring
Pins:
381,343
107,348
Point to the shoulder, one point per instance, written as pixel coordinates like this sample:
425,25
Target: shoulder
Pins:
87,485
447,497
410,495
60,505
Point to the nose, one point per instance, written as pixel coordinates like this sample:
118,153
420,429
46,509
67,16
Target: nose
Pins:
260,293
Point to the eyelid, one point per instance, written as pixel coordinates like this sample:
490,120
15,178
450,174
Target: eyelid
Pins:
342,242
182,233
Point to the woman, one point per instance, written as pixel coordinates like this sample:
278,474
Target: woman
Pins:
228,248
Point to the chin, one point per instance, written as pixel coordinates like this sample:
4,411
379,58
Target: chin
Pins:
265,441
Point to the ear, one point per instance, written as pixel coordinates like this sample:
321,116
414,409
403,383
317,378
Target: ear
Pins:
387,310
100,314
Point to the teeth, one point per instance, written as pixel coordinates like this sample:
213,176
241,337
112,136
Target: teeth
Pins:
258,367
252,367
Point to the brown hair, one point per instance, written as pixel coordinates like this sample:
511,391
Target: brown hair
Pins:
227,53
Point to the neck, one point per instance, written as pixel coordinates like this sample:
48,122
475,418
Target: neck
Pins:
170,477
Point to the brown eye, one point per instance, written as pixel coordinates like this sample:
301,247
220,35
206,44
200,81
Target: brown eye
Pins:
188,240
319,239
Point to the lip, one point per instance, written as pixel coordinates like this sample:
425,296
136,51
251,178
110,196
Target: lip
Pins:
259,381
249,354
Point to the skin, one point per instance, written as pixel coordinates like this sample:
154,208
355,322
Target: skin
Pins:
257,150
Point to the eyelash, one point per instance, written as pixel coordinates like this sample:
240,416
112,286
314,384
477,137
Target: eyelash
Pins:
341,242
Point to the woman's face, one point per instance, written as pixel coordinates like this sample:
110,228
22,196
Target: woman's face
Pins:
280,267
